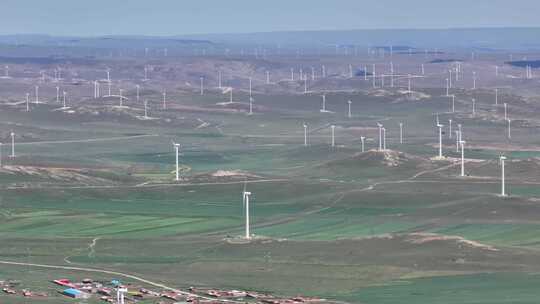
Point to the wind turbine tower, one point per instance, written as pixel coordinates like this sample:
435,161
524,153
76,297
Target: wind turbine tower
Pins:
401,133
12,134
440,126
380,126
502,159
305,135
202,86
246,196
164,100
146,109
37,94
363,139
462,144
349,114
177,150
333,128
384,138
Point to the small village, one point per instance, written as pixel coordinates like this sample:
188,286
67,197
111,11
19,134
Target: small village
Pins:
114,291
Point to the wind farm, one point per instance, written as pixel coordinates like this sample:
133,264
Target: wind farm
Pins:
350,172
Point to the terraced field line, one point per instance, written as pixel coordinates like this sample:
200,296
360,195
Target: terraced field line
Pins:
85,140
116,273
145,185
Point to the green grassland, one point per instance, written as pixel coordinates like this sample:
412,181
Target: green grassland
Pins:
331,222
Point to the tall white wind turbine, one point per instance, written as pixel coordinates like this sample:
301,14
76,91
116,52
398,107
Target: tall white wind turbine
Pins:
245,198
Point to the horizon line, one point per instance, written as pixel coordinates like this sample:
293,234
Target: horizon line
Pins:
274,32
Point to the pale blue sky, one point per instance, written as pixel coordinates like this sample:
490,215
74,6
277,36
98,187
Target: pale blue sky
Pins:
172,17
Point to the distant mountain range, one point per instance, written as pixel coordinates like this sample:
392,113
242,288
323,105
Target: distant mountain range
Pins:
485,39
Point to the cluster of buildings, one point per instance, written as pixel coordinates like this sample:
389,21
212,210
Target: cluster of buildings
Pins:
115,292
13,288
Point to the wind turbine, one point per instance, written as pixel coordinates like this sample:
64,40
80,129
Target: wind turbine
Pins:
27,102
391,74
401,133
138,87
121,91
374,75
230,95
474,80
250,88
323,110
384,138
305,135
12,134
380,135
453,103
146,109
36,88
57,94
462,143
145,73
333,128
457,141
440,126
349,114
450,128
363,139
473,107
95,89
509,129
447,88
250,105
177,149
245,198
365,73
164,99
202,86
502,159
64,93
496,96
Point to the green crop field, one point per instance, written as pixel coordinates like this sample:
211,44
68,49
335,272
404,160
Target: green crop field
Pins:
95,189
